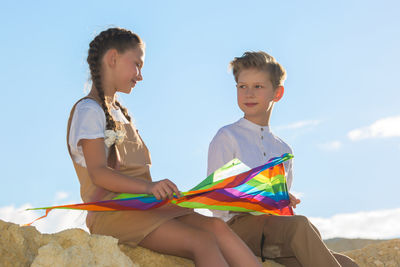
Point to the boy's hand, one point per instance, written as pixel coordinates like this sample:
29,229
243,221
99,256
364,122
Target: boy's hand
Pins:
163,189
293,201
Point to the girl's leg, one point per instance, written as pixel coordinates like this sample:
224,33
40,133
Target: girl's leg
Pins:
233,248
181,239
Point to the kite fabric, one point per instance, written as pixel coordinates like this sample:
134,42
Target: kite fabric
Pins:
233,187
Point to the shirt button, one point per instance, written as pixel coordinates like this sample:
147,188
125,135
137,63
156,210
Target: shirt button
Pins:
262,129
262,137
264,154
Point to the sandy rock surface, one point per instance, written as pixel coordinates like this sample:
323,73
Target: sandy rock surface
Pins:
25,246
384,254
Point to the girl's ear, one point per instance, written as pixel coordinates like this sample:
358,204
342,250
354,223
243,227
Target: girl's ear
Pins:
110,57
279,93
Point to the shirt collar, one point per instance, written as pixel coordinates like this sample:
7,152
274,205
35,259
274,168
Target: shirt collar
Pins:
252,126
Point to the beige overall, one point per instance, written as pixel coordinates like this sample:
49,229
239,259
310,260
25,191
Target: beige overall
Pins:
130,227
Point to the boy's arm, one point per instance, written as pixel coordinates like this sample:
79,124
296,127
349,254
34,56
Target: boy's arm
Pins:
220,151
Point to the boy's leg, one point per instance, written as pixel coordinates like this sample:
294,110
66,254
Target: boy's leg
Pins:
285,236
298,238
343,260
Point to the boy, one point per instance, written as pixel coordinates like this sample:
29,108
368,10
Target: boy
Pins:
289,240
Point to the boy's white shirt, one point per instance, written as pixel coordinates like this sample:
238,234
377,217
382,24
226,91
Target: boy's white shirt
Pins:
252,144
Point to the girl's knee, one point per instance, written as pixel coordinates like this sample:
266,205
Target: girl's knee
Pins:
216,225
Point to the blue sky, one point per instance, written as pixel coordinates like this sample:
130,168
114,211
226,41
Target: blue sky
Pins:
340,111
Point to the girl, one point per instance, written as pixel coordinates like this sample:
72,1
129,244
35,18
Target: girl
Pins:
110,157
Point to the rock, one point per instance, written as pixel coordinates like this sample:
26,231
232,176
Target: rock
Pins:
378,254
25,246
75,247
18,245
345,244
146,257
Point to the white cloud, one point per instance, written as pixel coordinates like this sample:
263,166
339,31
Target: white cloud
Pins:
378,224
61,195
299,124
331,146
383,128
56,221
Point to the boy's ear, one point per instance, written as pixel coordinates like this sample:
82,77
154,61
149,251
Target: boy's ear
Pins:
279,93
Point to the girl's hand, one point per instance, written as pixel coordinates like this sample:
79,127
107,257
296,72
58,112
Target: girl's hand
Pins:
163,189
293,201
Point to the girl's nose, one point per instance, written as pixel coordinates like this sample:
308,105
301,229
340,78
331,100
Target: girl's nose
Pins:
140,77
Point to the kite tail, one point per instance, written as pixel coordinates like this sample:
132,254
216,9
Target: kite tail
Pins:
44,216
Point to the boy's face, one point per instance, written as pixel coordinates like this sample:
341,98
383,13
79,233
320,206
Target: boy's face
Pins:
256,95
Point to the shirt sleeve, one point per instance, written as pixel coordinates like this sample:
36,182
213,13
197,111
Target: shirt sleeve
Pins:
220,151
88,122
289,174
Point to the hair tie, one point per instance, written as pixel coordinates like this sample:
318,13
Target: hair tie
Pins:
113,137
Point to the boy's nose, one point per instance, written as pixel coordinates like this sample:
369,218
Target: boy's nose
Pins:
139,77
249,92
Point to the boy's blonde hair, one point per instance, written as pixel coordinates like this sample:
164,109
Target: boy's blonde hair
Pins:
260,61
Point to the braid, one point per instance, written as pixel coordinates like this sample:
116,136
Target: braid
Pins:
113,38
124,111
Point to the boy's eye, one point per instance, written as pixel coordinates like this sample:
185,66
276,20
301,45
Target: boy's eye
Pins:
258,86
242,86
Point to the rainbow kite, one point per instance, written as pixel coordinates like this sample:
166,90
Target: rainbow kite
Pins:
233,187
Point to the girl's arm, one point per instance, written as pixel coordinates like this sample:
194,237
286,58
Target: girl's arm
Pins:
112,180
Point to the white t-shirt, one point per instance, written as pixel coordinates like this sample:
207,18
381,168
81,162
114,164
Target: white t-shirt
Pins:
89,122
252,144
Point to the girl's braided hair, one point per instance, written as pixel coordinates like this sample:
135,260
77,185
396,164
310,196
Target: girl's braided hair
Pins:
112,38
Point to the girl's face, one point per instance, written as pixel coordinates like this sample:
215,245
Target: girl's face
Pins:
128,68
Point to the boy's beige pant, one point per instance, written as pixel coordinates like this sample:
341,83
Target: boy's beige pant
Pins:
289,240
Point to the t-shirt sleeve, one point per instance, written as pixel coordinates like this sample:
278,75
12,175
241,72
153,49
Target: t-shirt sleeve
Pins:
289,168
88,122
220,151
